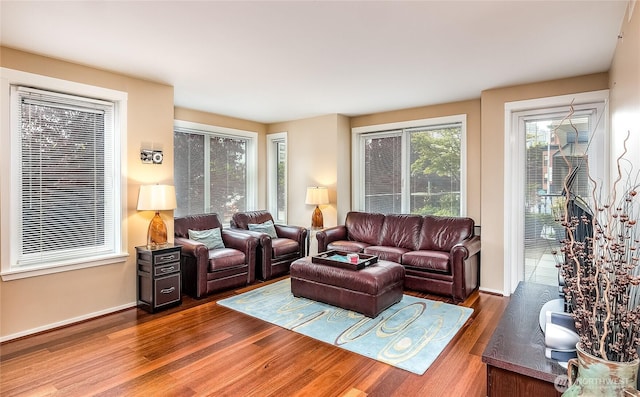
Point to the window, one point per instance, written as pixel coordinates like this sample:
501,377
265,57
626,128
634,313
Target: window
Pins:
65,198
214,170
556,146
277,176
415,167
532,187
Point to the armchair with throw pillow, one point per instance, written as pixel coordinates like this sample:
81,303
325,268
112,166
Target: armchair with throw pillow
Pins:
278,245
213,259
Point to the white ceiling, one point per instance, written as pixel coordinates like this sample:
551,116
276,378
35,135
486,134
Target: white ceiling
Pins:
275,61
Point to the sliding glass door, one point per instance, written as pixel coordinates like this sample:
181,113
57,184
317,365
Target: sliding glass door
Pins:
556,146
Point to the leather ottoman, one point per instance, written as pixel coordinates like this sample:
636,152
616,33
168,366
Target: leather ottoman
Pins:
368,291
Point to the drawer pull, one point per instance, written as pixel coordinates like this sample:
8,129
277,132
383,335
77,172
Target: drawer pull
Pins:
167,257
167,290
167,269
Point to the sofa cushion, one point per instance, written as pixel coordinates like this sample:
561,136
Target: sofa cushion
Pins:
284,246
265,227
441,233
211,238
364,227
224,258
401,231
391,254
436,261
349,246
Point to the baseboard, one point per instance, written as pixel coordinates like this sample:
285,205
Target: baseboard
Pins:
49,327
492,291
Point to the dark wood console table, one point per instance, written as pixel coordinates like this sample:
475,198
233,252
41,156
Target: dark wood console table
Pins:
516,364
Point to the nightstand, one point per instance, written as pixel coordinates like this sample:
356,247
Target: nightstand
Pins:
158,277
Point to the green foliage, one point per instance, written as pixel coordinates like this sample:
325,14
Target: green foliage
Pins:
447,204
436,152
435,172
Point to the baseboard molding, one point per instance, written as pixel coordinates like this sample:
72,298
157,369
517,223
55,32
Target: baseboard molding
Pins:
63,323
492,291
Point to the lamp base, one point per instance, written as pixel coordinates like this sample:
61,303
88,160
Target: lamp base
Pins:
316,219
157,232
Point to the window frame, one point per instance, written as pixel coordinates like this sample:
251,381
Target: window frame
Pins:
251,152
272,180
357,155
10,161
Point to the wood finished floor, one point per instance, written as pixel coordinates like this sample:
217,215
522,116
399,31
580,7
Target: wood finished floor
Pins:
202,349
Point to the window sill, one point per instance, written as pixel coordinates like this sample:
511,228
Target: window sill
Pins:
34,271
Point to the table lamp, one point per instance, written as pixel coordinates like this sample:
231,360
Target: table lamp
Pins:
156,198
317,196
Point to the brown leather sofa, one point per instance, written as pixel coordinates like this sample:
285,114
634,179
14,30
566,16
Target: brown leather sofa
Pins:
205,271
274,255
441,255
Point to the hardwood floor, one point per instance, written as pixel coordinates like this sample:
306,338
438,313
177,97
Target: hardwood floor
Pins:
201,348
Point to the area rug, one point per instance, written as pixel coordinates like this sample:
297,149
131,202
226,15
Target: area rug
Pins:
408,335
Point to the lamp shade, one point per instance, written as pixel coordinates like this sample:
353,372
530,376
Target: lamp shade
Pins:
156,198
317,195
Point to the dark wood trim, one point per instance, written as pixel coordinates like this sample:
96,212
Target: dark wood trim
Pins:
515,355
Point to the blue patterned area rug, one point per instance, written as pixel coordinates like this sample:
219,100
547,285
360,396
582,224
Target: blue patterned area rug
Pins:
408,335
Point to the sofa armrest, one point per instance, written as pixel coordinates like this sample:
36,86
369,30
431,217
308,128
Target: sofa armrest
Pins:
263,239
327,236
245,242
241,240
465,267
296,233
263,249
191,247
195,262
467,248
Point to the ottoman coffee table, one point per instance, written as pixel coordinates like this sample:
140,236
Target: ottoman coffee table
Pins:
368,291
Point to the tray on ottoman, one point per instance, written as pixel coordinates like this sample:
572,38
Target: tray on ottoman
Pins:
339,259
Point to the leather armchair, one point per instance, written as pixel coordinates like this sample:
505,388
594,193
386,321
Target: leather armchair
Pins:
205,271
274,255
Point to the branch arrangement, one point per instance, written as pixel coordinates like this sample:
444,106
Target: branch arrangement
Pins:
602,272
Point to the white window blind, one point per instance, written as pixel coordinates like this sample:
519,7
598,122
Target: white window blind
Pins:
383,172
416,168
228,169
213,172
277,176
68,200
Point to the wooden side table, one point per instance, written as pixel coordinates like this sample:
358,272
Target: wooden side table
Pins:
159,283
515,355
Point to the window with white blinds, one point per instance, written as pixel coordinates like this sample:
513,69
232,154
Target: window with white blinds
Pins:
277,176
69,201
214,170
383,172
416,167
